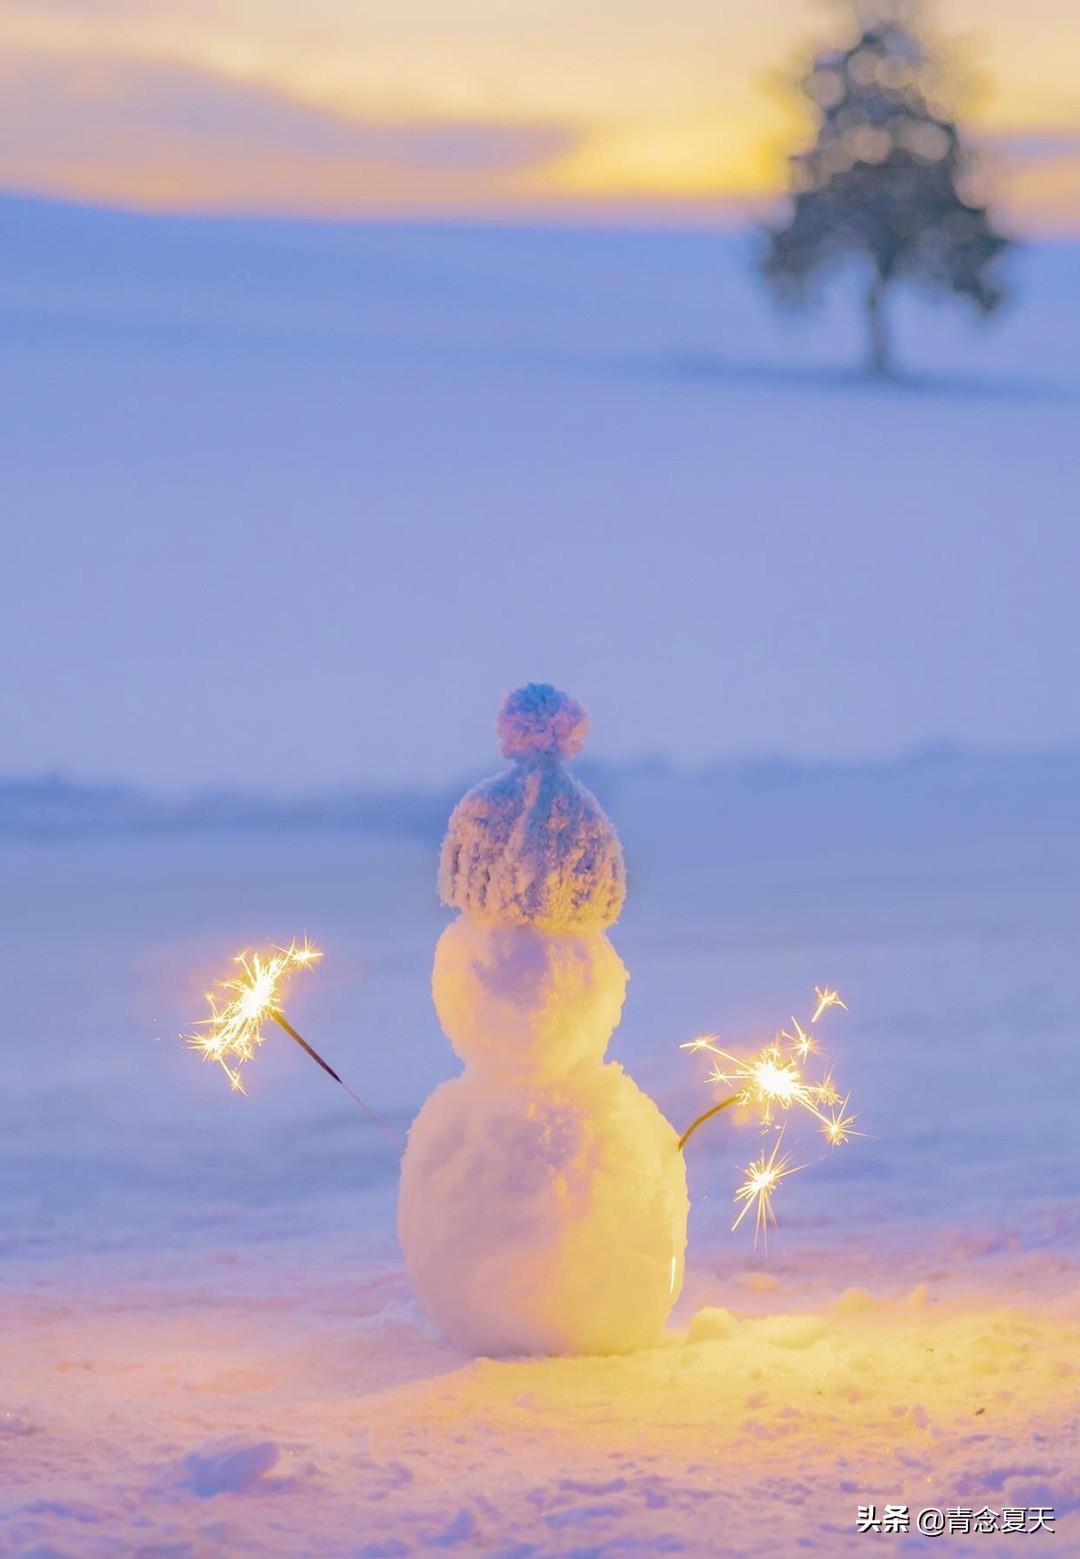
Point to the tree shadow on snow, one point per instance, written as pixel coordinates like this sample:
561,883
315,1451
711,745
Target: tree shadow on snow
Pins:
844,378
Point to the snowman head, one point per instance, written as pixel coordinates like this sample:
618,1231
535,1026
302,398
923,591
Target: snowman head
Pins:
532,846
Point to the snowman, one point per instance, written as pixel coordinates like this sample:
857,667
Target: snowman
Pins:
543,1200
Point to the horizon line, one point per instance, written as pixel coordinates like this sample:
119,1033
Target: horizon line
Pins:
59,778
652,214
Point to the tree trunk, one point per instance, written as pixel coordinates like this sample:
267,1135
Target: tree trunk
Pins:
875,319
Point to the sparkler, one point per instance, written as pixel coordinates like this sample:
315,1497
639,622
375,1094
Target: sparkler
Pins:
240,1008
773,1081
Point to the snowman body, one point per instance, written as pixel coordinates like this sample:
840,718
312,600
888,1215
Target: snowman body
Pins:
543,1197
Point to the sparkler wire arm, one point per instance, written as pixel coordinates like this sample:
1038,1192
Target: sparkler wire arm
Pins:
708,1115
282,1021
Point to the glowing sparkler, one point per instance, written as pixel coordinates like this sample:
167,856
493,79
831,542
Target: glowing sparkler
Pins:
241,1007
773,1080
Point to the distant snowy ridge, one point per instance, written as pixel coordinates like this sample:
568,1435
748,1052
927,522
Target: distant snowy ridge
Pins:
49,806
923,793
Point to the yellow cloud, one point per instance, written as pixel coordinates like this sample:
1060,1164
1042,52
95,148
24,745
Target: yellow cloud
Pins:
662,160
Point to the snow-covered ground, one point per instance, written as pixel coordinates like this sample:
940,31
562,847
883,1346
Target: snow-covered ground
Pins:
297,503
258,468
208,1345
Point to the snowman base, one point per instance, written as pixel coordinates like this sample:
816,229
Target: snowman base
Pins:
551,1221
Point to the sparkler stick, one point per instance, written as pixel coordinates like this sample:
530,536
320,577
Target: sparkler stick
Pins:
690,1130
282,1021
240,1007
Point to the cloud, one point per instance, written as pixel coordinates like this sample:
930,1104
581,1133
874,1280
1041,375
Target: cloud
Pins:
121,127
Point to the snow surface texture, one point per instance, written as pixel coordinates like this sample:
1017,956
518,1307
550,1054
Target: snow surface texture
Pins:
543,1196
459,454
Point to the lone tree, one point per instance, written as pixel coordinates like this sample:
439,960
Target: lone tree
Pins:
886,180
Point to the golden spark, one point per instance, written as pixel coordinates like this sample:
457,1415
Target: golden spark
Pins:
762,1178
801,1042
703,1042
241,1006
826,998
838,1126
827,1091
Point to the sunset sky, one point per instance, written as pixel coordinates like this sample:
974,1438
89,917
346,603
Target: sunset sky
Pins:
595,108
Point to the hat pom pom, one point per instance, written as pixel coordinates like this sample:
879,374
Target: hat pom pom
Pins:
537,720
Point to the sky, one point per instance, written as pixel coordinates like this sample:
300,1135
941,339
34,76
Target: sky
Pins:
659,109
